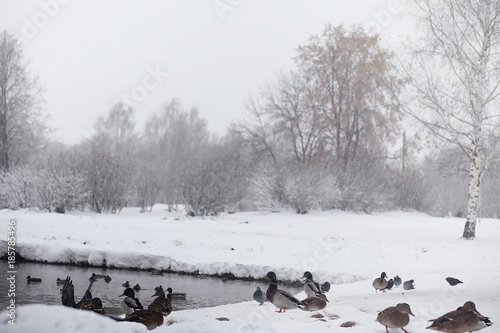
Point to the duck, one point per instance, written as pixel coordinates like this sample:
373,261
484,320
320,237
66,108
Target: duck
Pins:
482,323
130,303
68,295
95,276
408,285
137,287
29,279
126,284
59,281
311,288
107,278
380,283
96,306
395,316
325,287
390,284
397,281
452,281
458,321
280,298
259,296
151,318
314,303
165,302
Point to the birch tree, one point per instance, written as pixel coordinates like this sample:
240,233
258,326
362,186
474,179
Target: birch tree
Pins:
457,83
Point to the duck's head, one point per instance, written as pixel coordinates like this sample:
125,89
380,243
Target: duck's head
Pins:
169,290
158,291
95,303
404,308
323,297
129,292
28,277
270,275
469,307
307,275
383,275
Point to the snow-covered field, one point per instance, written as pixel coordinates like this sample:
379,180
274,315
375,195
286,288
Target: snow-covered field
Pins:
347,249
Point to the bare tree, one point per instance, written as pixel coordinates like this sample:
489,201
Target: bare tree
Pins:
354,89
22,124
457,83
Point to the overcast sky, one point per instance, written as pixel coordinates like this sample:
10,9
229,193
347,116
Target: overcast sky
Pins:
213,54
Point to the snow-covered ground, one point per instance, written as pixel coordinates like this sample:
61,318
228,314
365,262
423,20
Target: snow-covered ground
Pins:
347,249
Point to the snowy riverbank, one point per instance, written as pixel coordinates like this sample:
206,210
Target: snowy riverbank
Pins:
347,249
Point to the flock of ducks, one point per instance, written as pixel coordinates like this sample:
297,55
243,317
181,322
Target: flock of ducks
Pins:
151,317
464,319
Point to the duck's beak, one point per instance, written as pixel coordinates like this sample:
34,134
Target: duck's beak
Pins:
411,313
156,294
326,299
264,277
302,277
88,305
122,295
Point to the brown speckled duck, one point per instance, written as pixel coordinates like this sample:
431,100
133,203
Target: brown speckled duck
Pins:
458,321
380,283
395,316
314,303
280,298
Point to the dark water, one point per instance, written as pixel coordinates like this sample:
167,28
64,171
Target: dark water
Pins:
201,292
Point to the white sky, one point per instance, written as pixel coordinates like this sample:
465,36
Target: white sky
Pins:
90,53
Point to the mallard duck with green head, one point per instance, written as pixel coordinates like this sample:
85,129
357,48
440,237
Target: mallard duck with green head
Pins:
96,305
311,287
458,321
380,283
395,316
130,303
280,298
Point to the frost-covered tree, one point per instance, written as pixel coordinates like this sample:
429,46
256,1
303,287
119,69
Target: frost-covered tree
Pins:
22,123
456,79
108,160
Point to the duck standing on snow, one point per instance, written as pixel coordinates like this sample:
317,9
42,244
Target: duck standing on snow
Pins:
259,296
458,321
314,303
397,281
130,303
395,316
311,288
452,281
68,295
380,283
280,298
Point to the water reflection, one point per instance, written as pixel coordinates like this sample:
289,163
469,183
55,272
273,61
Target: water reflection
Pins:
201,292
